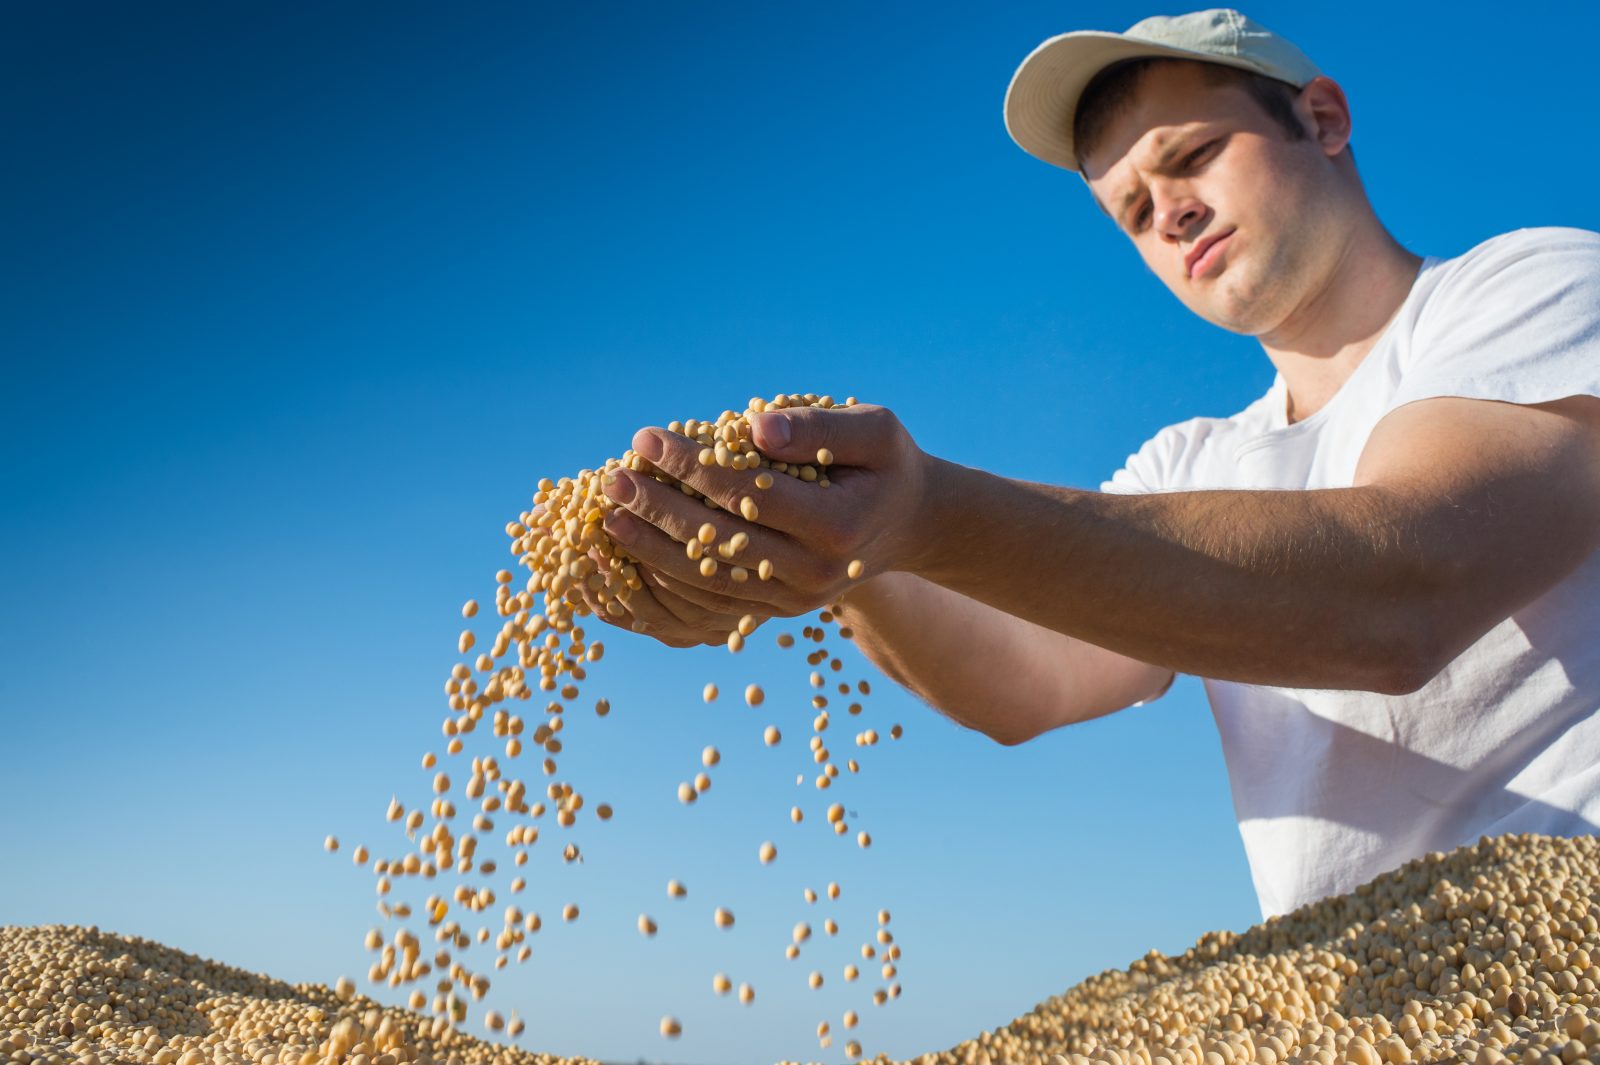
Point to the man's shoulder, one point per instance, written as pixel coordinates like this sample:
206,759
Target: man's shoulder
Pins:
1506,249
1506,274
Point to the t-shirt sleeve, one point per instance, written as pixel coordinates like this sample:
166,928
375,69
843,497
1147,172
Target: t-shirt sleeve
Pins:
1143,472
1518,322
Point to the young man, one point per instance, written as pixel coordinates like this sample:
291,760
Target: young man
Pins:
1387,569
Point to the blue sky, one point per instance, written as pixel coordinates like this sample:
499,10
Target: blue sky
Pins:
300,303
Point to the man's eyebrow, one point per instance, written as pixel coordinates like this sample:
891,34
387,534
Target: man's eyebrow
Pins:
1176,147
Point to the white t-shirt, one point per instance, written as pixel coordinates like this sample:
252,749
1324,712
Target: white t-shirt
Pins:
1332,788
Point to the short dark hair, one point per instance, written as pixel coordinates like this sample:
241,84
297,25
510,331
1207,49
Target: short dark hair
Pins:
1111,93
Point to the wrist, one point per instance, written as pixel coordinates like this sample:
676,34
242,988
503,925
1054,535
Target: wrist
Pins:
923,521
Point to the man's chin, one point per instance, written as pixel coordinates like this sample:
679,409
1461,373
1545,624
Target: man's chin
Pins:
1238,307
1232,315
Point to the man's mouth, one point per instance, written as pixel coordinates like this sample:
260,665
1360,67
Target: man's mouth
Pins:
1203,256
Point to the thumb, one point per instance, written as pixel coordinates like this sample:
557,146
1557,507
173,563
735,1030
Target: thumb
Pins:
856,435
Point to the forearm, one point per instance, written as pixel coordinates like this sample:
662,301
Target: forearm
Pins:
1005,677
1298,589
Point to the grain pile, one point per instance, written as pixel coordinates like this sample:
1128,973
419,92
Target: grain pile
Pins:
80,995
1486,955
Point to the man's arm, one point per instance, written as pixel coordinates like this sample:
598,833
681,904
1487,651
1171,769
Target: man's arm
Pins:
1462,512
1008,678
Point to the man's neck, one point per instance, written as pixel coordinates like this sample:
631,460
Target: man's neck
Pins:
1318,348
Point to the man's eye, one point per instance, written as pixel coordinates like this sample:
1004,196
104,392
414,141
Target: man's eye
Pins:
1194,156
1140,215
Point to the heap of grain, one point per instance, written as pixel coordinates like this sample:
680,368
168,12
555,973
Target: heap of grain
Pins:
79,995
1488,954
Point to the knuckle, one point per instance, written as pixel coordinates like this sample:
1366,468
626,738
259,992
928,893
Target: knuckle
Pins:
677,454
882,423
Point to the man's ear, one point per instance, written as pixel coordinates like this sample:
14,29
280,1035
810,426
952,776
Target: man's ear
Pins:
1325,113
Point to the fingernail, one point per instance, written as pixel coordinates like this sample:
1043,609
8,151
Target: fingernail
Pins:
622,488
649,444
772,430
619,526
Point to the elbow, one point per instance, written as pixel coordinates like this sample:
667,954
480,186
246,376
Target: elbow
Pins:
1010,733
1408,660
1402,678
1011,739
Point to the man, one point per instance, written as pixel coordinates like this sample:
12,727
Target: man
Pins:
1387,569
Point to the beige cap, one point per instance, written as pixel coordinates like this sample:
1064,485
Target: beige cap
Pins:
1042,102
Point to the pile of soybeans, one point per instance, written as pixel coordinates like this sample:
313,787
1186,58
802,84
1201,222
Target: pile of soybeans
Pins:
1487,954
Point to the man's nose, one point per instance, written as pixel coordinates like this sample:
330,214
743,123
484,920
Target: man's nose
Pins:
1177,213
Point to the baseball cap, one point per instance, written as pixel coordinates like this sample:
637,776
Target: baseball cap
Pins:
1042,100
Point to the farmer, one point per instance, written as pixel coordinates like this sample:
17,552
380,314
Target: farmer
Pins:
1386,569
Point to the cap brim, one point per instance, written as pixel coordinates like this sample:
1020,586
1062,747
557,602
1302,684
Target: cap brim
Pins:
1042,100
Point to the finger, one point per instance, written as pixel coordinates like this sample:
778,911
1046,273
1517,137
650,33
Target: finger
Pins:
665,587
654,620
718,592
691,615
622,620
862,435
681,518
778,508
625,617
680,457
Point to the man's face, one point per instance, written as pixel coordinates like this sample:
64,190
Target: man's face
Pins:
1241,223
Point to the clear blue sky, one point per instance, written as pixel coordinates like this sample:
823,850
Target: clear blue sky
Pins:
301,300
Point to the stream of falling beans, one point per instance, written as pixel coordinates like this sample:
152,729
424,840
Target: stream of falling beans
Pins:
542,654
